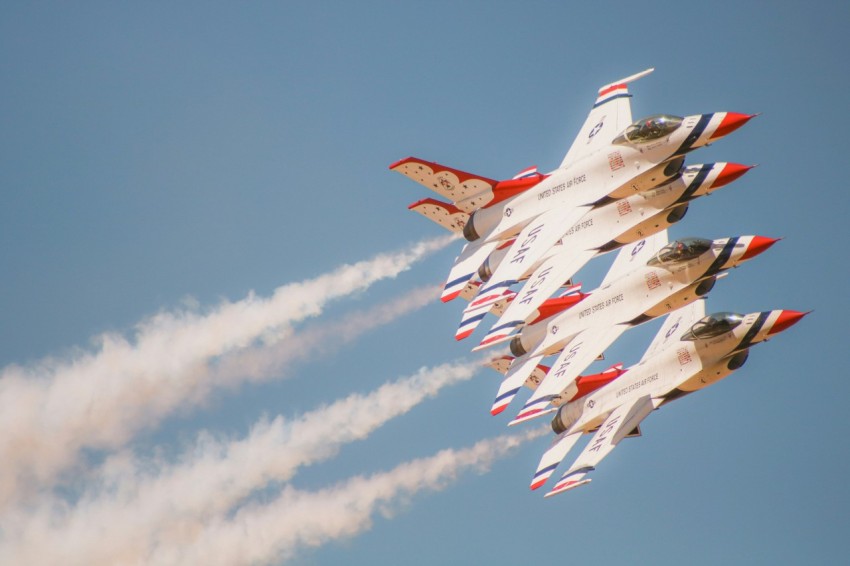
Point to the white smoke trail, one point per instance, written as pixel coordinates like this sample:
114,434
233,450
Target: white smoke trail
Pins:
262,533
261,362
51,411
135,509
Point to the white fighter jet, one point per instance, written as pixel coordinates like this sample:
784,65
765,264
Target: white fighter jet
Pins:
611,158
690,352
601,230
648,279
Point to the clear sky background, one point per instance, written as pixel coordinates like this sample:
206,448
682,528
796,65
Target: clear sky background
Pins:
161,155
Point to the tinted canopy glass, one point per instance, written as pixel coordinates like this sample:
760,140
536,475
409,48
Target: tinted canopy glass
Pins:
652,128
713,325
679,251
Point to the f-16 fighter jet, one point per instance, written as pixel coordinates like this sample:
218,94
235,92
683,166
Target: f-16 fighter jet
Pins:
689,353
601,230
611,158
647,279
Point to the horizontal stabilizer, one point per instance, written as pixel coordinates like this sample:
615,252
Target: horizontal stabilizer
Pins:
500,364
472,318
519,371
498,308
454,184
572,481
470,290
466,267
503,363
446,215
559,449
497,336
534,413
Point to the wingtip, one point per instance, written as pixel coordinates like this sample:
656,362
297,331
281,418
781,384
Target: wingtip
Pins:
462,335
450,297
483,346
400,162
489,341
566,487
524,416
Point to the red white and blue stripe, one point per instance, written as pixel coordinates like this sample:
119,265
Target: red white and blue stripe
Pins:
503,400
534,408
472,318
530,172
571,480
454,287
498,334
611,93
519,371
542,475
490,295
532,414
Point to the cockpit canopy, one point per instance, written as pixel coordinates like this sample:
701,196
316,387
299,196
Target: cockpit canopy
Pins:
649,129
680,251
713,325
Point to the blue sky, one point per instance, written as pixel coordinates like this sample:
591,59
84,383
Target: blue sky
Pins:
159,156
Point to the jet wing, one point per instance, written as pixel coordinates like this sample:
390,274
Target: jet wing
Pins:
472,318
676,324
446,215
579,353
530,245
465,267
610,115
503,363
542,284
454,184
519,371
559,449
635,255
619,424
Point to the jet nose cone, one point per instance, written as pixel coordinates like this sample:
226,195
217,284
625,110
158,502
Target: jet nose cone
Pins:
786,320
730,172
757,245
731,122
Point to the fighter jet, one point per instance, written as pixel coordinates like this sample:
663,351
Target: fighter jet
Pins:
611,158
647,279
690,352
601,230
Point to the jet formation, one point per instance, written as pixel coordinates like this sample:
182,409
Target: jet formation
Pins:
619,188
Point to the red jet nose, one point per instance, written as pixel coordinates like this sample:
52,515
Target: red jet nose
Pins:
758,245
786,319
731,122
730,172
